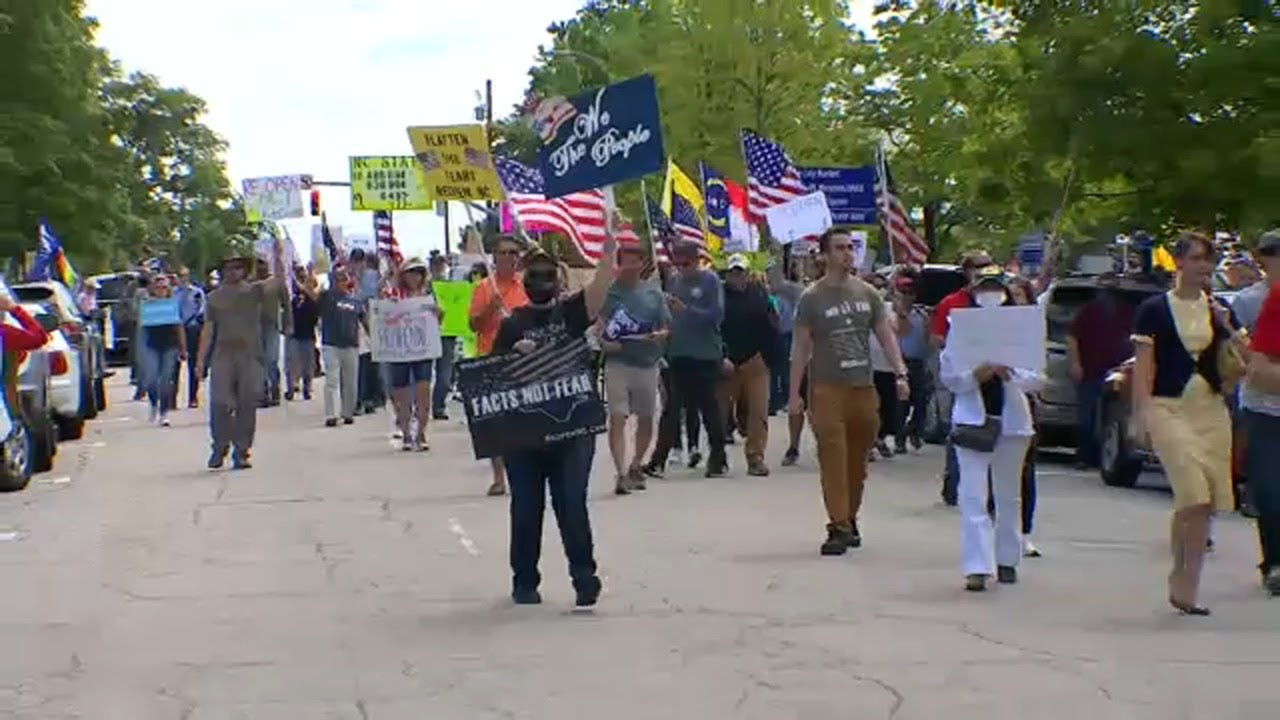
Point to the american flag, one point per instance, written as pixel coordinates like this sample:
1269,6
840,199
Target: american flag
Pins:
384,236
580,215
660,230
685,218
549,361
907,246
772,179
549,115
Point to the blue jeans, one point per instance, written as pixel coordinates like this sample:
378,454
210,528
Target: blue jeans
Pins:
158,368
1088,395
565,469
1262,472
193,349
444,375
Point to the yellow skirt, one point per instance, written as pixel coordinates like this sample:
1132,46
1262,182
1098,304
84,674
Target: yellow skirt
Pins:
1191,435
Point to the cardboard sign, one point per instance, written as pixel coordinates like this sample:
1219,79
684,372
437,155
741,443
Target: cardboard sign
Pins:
1010,336
388,183
456,162
454,297
518,401
850,192
275,198
601,137
799,218
160,311
404,330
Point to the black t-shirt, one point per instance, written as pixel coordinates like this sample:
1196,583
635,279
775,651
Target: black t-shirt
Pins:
306,315
567,319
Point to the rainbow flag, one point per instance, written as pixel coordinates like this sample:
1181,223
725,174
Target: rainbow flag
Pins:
51,261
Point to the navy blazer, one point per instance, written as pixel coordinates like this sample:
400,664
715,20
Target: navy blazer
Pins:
1174,365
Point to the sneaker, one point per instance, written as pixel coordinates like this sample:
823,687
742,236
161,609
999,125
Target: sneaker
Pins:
975,583
916,443
837,542
331,422
216,459
717,469
854,537
882,447
653,471
636,479
306,394
695,459
1029,550
407,445
164,419
1006,574
588,594
790,457
348,420
621,485
758,470
241,463
900,448
153,414
1273,582
527,596
441,415
288,395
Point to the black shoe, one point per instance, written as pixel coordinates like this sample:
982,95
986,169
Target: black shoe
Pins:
588,593
916,442
950,499
854,538
621,486
529,596
975,583
1248,510
695,458
306,394
216,460
717,468
1006,574
288,395
441,415
900,448
790,457
240,463
1272,582
837,542
331,422
348,420
194,404
635,479
653,471
882,448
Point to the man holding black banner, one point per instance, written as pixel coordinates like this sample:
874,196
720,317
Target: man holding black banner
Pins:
563,466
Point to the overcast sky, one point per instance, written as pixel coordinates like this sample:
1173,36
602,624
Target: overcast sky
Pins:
297,86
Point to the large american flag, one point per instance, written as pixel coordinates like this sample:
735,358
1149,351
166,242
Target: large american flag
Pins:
906,244
772,179
384,236
579,215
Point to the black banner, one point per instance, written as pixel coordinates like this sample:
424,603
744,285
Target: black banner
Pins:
519,401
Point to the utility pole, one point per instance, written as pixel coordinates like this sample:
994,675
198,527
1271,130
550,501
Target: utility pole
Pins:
444,204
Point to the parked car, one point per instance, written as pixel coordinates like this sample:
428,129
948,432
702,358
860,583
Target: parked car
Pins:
69,390
33,440
83,336
116,313
1058,412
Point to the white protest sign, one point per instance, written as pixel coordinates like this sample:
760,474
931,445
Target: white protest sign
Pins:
275,198
858,238
360,241
802,217
404,330
1010,336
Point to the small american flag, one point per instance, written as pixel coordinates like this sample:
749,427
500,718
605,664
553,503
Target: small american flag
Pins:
549,115
384,236
476,158
772,179
580,215
687,226
430,160
907,245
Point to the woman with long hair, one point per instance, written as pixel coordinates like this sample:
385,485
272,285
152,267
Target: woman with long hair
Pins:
1178,386
411,381
162,348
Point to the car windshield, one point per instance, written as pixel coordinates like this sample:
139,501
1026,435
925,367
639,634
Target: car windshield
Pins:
112,287
1066,302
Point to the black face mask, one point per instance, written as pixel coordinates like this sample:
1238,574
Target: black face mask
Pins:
542,286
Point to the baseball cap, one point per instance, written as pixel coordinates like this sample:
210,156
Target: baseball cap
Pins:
738,261
1270,241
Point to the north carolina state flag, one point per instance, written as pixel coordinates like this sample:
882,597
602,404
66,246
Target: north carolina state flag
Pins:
743,236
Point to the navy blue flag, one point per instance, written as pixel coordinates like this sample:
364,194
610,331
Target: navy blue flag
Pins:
518,401
609,135
851,192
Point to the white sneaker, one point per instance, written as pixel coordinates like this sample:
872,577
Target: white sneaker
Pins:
164,419
676,458
1028,549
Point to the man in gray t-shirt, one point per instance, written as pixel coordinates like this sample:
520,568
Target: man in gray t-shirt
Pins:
634,324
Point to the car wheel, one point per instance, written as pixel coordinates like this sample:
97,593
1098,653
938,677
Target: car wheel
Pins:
15,463
1120,468
100,394
44,443
70,428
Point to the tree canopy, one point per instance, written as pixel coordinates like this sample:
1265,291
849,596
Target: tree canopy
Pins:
121,166
1000,116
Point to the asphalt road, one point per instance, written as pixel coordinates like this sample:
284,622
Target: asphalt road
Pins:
343,579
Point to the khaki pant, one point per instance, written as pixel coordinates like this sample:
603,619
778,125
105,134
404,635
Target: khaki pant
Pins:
845,420
235,384
748,388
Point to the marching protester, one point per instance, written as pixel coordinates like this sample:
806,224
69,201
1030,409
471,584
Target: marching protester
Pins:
785,289
234,315
1260,400
912,324
439,267
635,322
796,415
493,300
191,303
1181,338
678,424
991,431
1097,342
695,353
885,382
547,317
163,346
749,330
277,320
300,347
834,320
411,381
342,319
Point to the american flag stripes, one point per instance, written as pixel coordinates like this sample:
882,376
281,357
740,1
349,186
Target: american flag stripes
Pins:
685,219
384,236
907,245
548,361
772,179
549,115
580,215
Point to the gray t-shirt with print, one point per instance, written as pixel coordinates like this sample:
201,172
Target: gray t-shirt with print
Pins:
840,318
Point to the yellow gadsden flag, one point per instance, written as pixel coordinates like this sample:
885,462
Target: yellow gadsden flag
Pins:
680,184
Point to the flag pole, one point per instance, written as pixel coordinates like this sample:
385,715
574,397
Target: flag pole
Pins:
882,201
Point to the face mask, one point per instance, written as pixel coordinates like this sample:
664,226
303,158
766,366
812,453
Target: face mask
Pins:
989,299
541,287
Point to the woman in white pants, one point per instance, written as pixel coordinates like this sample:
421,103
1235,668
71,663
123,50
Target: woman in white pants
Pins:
991,430
342,319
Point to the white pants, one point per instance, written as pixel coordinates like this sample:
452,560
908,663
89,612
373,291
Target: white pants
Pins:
341,371
985,545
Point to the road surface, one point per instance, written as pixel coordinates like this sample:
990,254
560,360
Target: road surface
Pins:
341,579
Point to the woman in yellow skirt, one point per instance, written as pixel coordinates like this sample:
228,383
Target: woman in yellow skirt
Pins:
1178,398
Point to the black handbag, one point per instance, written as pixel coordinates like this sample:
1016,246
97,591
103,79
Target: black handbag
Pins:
978,438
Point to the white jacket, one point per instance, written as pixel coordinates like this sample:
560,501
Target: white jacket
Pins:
1015,420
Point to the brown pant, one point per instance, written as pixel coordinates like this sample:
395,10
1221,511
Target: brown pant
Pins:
747,387
845,421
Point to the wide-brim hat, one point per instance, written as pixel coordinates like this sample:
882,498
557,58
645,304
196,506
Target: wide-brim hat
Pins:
413,264
992,275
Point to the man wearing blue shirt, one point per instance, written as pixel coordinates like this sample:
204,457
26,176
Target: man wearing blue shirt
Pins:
191,308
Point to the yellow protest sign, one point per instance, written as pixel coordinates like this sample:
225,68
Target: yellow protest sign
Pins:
456,162
388,183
